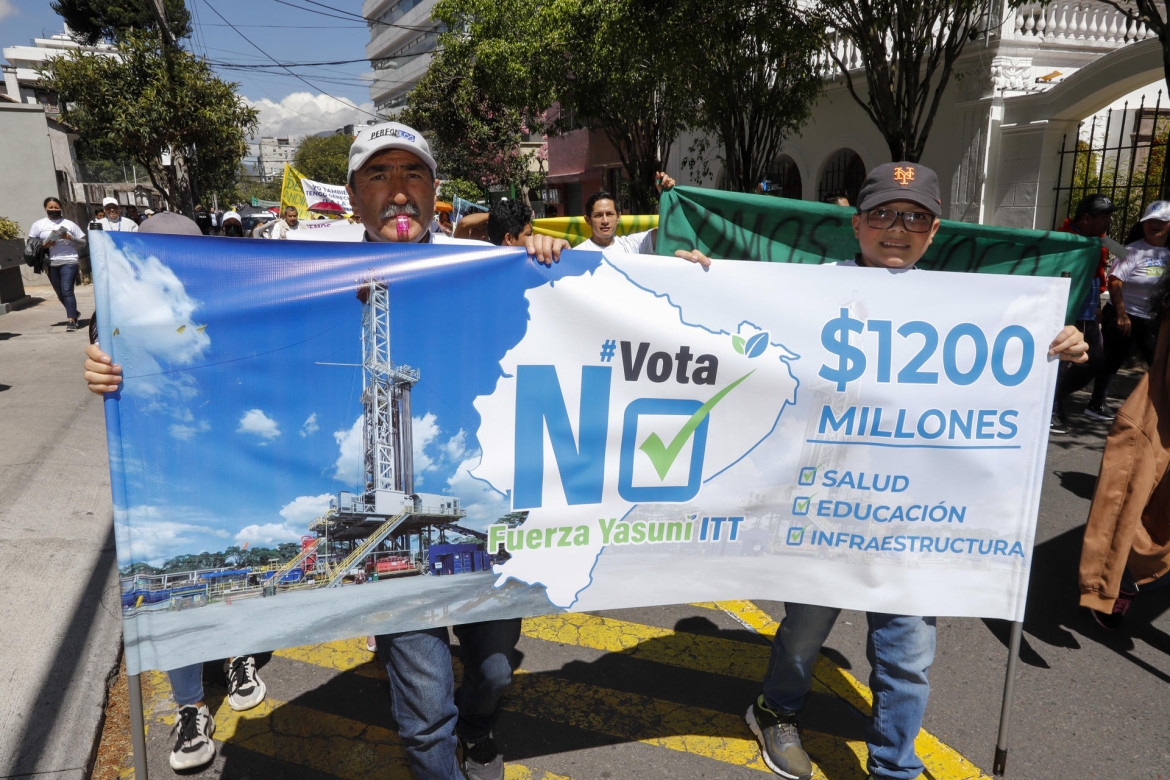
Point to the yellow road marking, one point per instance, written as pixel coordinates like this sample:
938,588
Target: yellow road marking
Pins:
304,737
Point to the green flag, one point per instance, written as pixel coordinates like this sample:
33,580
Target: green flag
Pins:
735,226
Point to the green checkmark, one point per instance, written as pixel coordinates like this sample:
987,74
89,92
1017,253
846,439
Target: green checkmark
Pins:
801,505
663,456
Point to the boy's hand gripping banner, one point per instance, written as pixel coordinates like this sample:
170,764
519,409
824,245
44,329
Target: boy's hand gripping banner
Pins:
319,440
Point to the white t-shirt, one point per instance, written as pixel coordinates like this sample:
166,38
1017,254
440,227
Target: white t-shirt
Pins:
279,228
63,252
631,244
1140,272
119,225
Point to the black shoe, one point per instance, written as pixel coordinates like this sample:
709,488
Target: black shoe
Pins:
1057,425
1113,620
1100,412
71,326
779,737
481,760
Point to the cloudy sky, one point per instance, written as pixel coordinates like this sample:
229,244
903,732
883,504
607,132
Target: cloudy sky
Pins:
241,414
327,98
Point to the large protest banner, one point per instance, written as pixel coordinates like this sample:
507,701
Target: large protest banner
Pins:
322,440
576,229
736,226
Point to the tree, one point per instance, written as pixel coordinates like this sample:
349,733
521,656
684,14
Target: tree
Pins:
623,76
92,21
451,188
249,188
908,50
324,158
476,136
145,101
755,83
612,65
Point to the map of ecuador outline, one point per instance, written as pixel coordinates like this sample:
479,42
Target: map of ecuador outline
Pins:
613,398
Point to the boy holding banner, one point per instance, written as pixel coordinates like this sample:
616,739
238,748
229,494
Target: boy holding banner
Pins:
897,217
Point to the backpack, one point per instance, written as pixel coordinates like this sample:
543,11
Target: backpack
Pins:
36,254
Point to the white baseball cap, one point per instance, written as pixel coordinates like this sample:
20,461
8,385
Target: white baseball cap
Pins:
388,135
110,202
1159,210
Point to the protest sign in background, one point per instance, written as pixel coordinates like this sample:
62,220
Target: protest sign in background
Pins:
736,226
576,229
486,437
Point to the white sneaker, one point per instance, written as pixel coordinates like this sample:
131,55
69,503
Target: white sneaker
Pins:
193,746
245,688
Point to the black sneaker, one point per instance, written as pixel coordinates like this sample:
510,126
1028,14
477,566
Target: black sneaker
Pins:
1113,620
70,326
1057,425
481,760
1101,412
193,746
779,737
245,688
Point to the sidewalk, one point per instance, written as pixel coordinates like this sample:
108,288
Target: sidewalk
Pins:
61,620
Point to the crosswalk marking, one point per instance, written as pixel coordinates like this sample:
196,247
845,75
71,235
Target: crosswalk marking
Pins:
349,748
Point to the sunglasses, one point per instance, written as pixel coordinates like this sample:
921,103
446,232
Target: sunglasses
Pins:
913,221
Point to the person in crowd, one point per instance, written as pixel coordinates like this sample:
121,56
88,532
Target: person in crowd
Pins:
509,223
203,219
133,215
603,215
233,226
836,199
1092,218
897,217
391,184
279,228
112,219
63,238
1126,549
1126,324
445,222
194,725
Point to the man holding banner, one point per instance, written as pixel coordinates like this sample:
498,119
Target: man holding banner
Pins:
898,216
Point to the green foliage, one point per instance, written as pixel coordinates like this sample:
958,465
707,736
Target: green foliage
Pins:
906,65
95,20
475,133
1132,190
449,189
8,229
254,188
323,158
756,84
147,100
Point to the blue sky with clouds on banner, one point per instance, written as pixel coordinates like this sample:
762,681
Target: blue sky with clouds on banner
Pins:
288,31
241,414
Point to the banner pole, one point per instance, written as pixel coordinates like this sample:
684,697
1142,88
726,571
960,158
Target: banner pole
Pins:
1005,712
137,727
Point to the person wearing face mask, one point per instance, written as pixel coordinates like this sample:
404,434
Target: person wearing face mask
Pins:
63,238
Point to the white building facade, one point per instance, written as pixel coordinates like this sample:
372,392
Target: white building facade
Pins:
273,154
402,38
1018,97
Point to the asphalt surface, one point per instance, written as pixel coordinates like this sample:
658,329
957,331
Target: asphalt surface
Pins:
643,693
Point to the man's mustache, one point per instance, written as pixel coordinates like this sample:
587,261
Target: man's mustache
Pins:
393,210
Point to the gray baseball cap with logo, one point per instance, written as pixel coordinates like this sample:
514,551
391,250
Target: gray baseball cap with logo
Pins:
901,181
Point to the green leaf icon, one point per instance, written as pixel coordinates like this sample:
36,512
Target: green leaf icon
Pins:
737,342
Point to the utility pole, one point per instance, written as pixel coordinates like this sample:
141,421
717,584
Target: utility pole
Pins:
182,188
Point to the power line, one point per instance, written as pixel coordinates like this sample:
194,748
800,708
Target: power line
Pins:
290,72
347,15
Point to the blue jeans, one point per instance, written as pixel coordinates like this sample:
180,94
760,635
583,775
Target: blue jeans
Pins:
187,684
900,649
422,697
62,278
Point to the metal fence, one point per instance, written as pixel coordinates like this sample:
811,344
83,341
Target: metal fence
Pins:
1120,153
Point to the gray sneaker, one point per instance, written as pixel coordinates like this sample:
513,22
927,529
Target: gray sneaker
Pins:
481,760
779,737
193,746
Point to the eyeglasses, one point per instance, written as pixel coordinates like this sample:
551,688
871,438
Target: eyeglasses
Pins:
914,221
